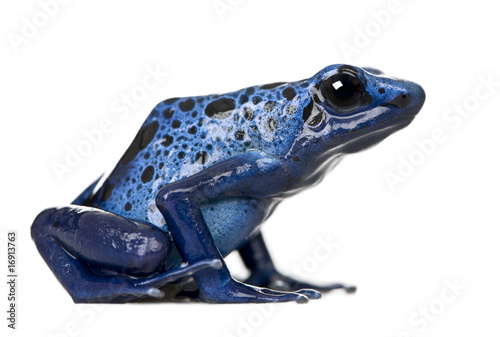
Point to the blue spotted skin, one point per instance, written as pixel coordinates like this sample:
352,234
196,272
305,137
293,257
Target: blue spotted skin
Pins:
208,170
184,139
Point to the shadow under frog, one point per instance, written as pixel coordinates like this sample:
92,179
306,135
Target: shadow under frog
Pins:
203,174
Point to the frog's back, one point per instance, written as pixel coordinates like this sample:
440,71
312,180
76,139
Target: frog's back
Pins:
183,136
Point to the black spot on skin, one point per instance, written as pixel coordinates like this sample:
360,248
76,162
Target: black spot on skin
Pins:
304,85
220,108
306,113
187,105
289,93
147,174
194,114
239,135
256,100
192,130
168,113
176,123
171,100
243,99
184,146
248,113
272,85
167,140
166,153
201,157
269,106
141,140
181,155
128,206
209,146
381,91
295,158
161,165
106,193
247,144
250,91
55,224
272,124
147,155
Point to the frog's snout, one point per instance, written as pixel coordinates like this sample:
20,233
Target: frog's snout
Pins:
404,98
411,99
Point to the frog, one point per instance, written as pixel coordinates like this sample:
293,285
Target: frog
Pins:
200,178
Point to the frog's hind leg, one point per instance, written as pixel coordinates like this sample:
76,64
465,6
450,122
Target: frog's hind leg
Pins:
102,257
263,273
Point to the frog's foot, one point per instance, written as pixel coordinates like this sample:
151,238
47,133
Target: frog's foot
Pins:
237,292
275,280
175,273
263,273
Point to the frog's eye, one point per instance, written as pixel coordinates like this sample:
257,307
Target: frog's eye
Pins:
343,91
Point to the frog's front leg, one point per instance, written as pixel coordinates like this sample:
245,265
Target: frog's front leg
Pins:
257,259
250,175
99,256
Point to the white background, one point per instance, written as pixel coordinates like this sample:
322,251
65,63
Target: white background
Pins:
400,247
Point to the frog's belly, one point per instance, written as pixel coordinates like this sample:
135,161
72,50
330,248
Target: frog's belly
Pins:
232,222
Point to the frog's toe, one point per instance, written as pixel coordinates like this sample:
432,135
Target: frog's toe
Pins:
276,280
310,293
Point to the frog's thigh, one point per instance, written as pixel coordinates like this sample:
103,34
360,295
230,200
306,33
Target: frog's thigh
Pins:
70,239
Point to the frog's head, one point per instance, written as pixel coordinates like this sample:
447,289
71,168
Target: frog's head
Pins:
352,108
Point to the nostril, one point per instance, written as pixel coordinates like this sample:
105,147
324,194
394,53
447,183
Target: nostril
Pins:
401,101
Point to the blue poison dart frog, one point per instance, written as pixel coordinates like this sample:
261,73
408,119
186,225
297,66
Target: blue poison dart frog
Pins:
203,174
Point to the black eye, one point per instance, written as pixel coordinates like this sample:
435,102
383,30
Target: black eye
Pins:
343,91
